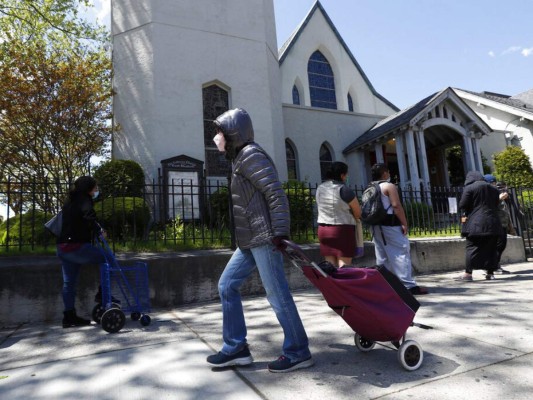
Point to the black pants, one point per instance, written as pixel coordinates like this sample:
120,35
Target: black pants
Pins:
481,253
501,244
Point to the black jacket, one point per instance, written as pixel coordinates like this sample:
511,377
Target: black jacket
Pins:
79,220
260,205
479,202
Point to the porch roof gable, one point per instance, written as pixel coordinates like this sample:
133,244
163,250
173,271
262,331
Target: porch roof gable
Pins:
410,115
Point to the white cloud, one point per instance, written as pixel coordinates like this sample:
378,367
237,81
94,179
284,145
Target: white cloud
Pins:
103,8
512,49
100,11
491,54
527,52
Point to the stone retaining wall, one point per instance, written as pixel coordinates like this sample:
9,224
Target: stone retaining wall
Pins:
30,287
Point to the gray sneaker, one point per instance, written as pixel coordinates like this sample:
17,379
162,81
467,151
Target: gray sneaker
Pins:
220,359
283,364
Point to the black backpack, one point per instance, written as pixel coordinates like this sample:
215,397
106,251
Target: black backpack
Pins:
372,210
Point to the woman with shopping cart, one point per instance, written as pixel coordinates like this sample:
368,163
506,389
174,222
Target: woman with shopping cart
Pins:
75,246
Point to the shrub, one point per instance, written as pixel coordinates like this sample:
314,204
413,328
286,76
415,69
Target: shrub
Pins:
27,228
301,204
123,217
218,208
120,178
513,167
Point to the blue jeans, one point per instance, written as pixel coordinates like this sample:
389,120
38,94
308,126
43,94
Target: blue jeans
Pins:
270,266
71,264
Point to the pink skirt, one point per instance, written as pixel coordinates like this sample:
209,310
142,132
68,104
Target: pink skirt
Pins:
337,240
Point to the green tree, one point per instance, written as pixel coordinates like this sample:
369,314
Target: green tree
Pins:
513,167
47,20
55,94
454,156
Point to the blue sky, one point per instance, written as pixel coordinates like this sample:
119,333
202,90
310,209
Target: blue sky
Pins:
410,49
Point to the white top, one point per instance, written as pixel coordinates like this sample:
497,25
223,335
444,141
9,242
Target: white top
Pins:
385,200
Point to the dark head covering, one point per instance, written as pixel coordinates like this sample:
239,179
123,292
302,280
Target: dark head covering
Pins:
236,125
473,176
84,184
489,178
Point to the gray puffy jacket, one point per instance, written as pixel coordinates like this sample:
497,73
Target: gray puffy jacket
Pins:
260,205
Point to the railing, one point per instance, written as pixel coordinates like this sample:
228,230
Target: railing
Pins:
186,215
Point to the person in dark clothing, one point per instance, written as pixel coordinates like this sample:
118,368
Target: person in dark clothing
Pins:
261,214
507,225
479,203
74,244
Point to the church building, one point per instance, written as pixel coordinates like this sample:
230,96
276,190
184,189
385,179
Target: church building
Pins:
180,64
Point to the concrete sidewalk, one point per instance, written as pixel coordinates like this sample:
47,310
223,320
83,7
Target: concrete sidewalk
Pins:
481,347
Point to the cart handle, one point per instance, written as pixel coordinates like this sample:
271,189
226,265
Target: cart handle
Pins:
299,255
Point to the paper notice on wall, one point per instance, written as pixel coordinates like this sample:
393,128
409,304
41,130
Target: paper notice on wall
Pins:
452,205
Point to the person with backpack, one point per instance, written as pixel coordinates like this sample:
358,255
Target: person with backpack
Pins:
338,212
382,210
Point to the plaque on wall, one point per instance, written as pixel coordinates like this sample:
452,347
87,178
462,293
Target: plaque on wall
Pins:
183,177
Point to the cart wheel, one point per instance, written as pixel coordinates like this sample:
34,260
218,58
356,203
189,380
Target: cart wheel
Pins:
145,320
113,320
135,316
363,344
410,355
98,310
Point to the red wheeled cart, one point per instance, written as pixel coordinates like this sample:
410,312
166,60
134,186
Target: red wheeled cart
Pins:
372,301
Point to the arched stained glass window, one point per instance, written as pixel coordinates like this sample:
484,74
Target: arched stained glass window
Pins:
321,82
215,102
325,160
292,162
295,95
350,103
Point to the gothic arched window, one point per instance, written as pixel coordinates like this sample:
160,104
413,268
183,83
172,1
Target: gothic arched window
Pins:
292,162
350,103
215,102
295,95
321,82
325,160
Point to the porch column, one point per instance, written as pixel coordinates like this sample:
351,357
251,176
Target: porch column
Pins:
477,154
423,158
378,148
413,163
363,172
444,162
469,154
400,155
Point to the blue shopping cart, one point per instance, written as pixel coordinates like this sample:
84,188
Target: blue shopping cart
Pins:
124,290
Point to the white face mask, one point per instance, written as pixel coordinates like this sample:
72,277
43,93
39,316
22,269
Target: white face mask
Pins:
220,141
95,194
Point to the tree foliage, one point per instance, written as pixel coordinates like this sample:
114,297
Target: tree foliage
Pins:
513,167
55,92
45,20
454,157
120,178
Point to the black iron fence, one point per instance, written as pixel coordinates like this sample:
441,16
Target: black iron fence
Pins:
186,215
